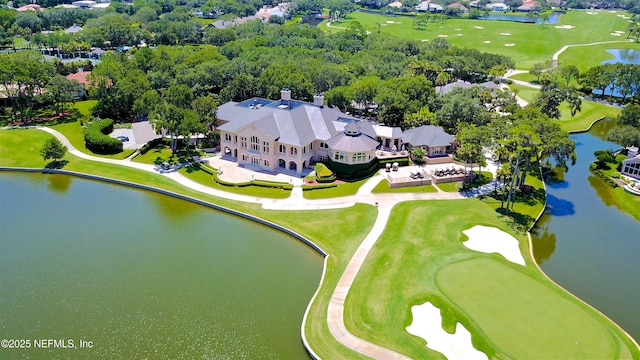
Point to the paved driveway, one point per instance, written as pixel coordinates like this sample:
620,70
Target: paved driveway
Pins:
131,144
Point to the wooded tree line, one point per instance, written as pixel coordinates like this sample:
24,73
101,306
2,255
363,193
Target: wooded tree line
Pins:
30,82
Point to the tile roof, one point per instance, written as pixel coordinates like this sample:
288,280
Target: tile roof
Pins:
427,135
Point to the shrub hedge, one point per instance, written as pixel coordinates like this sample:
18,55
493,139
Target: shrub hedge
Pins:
97,141
323,174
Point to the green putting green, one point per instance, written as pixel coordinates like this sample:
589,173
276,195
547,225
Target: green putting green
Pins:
523,317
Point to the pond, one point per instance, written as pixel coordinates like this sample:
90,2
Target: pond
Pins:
586,244
143,275
553,18
624,56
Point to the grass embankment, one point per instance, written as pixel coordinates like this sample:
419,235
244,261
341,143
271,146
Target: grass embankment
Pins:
419,258
342,189
384,187
615,196
338,232
526,44
582,121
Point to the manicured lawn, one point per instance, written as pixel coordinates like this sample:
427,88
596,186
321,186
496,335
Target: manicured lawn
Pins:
383,187
85,106
528,43
411,263
73,132
524,77
590,113
449,186
628,202
344,189
507,305
162,153
582,121
527,93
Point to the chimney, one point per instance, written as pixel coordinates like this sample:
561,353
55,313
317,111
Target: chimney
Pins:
285,94
318,100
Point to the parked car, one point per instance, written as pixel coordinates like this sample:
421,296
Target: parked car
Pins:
122,138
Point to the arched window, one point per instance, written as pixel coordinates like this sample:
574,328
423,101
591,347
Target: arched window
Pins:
282,149
294,151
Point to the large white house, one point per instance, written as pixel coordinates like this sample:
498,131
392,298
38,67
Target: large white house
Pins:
631,165
291,135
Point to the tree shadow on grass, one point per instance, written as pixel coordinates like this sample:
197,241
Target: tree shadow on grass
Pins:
56,164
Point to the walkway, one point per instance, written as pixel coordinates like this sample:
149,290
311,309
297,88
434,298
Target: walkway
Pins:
384,203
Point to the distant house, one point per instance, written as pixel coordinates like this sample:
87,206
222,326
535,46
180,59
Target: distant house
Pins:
266,12
528,6
30,7
395,4
497,7
85,4
489,85
459,6
631,165
432,138
427,6
223,24
84,84
73,29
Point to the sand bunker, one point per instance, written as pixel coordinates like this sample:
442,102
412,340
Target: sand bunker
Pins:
616,34
620,32
565,27
492,240
424,40
505,34
487,42
459,34
393,22
442,35
509,45
478,27
592,13
457,29
427,325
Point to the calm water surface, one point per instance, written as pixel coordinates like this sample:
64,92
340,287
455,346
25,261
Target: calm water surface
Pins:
624,56
586,244
144,275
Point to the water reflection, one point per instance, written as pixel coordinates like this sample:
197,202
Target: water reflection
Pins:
623,56
601,190
559,207
59,183
545,245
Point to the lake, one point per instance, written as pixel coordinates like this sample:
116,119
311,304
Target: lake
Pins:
144,275
586,244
